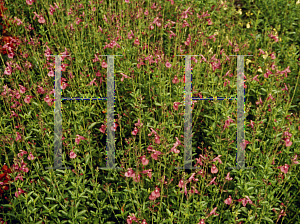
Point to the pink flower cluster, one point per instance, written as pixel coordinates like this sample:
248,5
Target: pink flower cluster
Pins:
21,168
155,194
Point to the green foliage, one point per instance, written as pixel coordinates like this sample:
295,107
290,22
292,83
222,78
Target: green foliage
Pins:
87,194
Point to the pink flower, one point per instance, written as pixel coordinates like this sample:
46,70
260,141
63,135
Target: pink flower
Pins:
155,155
27,99
130,173
18,136
22,153
78,20
127,1
202,221
157,140
155,194
272,55
137,178
72,155
124,76
144,160
41,20
212,181
294,159
138,124
193,178
135,131
29,2
8,70
218,158
209,22
245,201
19,192
175,105
19,177
129,219
104,65
102,129
227,122
130,35
181,184
136,41
148,172
213,212
168,65
214,169
175,80
51,73
52,10
228,200
30,156
284,168
78,138
22,89
288,142
227,177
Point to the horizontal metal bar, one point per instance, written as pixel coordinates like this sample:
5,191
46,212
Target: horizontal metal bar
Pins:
214,98
66,98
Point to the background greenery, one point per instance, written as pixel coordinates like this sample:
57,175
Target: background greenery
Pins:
98,196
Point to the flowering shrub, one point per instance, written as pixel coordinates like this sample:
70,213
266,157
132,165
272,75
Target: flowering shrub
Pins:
149,108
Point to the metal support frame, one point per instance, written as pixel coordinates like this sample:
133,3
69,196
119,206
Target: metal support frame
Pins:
110,142
240,156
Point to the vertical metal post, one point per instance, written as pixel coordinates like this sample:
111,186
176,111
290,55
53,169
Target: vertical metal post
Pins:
57,117
240,154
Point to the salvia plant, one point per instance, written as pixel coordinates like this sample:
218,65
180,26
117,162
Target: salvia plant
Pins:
149,42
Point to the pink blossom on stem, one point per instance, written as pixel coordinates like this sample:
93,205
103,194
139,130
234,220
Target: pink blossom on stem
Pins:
130,173
175,105
284,168
29,2
228,177
168,65
136,41
214,169
138,124
18,136
41,20
30,156
155,194
218,158
135,131
72,155
294,160
19,192
288,142
27,99
144,160
228,200
155,155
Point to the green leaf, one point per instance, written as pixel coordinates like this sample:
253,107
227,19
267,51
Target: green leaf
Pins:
268,219
63,212
27,195
92,125
53,207
208,116
35,130
52,199
80,213
44,206
169,212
